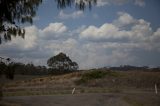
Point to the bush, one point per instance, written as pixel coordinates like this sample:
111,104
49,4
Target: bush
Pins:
90,76
95,74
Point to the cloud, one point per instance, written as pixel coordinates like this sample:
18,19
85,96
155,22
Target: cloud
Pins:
125,27
101,3
156,36
99,55
74,15
33,46
30,39
140,3
53,30
103,32
118,2
123,41
142,30
124,19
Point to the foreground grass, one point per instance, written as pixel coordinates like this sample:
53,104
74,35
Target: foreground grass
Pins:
61,92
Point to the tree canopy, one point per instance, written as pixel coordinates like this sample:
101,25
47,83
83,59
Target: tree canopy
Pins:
80,4
62,62
7,67
12,14
16,12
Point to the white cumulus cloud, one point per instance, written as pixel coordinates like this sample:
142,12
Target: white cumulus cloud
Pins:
125,27
54,30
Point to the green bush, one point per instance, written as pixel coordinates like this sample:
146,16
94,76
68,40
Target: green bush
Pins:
90,76
95,74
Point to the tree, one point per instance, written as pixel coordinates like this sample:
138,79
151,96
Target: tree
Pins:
61,62
15,12
6,68
74,66
2,67
80,4
9,72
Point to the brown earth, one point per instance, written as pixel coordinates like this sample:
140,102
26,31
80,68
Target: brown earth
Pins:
98,99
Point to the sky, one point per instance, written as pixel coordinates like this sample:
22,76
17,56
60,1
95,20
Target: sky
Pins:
112,33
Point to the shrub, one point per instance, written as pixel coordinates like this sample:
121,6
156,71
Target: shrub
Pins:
96,74
93,75
90,76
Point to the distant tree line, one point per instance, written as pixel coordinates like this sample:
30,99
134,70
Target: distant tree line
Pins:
17,68
58,64
131,68
27,69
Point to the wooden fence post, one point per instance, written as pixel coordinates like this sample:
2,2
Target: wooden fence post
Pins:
73,90
156,89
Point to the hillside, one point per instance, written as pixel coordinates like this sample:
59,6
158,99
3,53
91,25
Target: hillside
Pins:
93,81
92,88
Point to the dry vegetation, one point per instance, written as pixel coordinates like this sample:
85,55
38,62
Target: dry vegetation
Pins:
93,81
128,88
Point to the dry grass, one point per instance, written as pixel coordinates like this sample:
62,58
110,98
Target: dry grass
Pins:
109,82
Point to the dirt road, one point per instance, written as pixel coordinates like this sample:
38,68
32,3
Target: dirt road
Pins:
70,100
85,100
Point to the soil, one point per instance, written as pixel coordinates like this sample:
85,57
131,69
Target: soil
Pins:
97,99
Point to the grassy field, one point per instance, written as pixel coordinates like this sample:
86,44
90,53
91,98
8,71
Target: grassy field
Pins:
84,82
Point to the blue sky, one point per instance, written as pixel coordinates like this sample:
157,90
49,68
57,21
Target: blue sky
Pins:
150,12
112,33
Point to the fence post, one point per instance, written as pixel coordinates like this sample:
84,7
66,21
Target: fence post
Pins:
73,90
156,89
